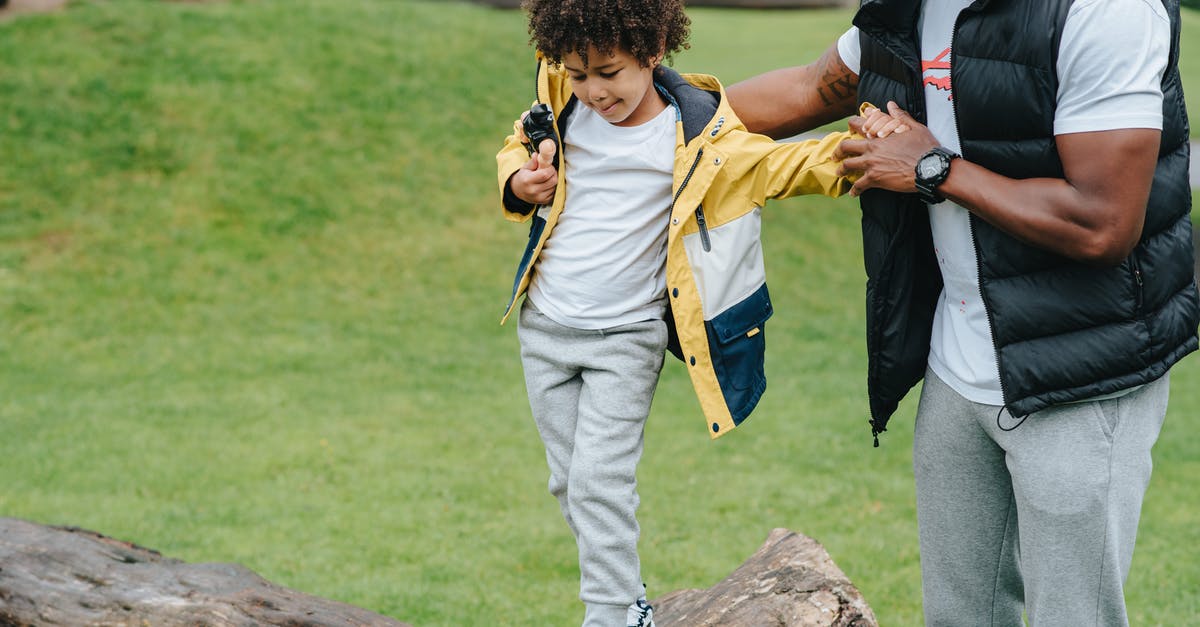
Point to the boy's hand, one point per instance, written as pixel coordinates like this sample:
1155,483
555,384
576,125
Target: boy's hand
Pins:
877,124
536,181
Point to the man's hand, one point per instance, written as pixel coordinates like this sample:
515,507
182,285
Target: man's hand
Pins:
889,161
536,181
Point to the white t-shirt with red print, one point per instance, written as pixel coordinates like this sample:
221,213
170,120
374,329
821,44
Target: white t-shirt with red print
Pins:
1110,64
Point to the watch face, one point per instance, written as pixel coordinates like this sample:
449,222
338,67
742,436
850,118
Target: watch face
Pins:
929,166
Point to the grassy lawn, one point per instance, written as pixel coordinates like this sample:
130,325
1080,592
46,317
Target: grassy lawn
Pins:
251,271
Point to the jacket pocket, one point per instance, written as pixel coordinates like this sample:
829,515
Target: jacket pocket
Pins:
737,348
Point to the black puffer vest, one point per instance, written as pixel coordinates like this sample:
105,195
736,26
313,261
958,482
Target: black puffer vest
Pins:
1063,331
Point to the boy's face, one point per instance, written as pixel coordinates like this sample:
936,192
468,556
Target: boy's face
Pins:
616,86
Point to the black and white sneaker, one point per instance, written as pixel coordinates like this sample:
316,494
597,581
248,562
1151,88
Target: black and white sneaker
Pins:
640,614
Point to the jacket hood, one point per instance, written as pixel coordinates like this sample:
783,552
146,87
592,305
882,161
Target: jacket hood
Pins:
697,105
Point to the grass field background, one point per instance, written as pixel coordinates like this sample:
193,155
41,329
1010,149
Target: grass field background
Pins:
251,271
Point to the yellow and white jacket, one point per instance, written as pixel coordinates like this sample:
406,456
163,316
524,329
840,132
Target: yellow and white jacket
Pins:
716,280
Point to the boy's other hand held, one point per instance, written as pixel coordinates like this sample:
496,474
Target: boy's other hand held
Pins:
875,124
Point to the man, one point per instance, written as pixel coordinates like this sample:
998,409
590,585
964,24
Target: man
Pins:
1029,254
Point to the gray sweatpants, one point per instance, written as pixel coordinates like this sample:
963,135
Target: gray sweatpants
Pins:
1039,514
590,392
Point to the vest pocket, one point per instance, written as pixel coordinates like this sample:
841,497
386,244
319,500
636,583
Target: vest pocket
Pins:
1135,269
737,346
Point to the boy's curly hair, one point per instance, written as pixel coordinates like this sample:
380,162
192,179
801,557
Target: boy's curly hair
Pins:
643,28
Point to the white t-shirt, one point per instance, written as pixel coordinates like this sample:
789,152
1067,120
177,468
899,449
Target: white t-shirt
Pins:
1110,64
605,262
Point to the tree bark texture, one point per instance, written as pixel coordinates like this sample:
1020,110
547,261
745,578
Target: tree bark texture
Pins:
52,576
789,582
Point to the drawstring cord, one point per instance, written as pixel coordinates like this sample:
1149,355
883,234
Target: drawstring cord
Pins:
1001,427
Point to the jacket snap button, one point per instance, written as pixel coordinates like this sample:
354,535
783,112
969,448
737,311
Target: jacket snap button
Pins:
693,360
675,292
716,427
717,161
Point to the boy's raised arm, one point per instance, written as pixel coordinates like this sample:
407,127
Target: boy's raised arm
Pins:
812,166
802,167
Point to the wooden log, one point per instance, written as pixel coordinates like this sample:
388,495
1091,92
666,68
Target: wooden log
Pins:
52,576
790,581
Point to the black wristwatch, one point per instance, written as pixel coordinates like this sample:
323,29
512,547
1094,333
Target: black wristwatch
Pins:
932,168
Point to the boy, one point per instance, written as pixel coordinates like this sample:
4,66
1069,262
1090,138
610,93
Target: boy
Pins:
650,239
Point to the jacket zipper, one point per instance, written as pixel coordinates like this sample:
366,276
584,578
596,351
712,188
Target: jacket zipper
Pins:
704,240
558,141
537,75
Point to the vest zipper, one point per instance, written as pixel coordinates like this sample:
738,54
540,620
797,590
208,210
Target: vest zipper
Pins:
971,219
986,307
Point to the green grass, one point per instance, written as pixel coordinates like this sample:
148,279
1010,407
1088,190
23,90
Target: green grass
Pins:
1189,63
251,269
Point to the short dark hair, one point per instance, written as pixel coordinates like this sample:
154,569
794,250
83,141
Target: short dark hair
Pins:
643,28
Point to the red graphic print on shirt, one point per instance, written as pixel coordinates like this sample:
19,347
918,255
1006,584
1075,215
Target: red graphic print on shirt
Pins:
937,73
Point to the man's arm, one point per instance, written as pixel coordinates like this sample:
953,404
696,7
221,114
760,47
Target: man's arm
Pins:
785,102
1094,214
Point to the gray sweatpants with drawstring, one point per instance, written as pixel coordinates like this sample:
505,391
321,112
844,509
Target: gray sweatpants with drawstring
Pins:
1039,514
590,392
